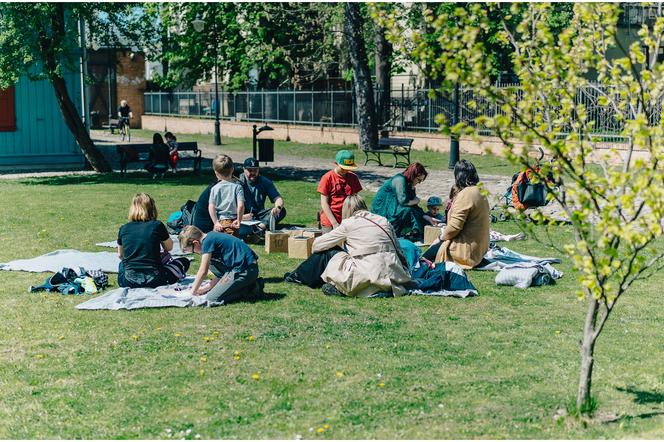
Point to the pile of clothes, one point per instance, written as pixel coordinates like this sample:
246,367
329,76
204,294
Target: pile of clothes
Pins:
73,282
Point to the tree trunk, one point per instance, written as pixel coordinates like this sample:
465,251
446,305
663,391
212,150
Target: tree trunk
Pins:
383,75
366,109
75,125
48,45
587,353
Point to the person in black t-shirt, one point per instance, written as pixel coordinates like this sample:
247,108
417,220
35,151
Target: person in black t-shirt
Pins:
159,156
124,113
140,245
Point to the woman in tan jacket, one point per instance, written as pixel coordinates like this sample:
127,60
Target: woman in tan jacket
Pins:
465,238
372,262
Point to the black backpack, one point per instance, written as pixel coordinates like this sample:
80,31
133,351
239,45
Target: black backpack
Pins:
176,224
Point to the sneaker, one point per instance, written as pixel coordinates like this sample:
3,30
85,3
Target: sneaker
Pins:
330,290
382,295
292,277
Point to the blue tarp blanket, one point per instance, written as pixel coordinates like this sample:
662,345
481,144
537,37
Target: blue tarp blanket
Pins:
174,295
499,257
447,279
54,262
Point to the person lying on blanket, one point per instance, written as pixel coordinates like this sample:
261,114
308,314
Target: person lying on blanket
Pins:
139,247
465,239
233,263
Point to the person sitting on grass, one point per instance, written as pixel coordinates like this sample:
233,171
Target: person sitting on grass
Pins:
372,265
140,244
158,161
233,263
173,156
256,190
226,204
465,238
396,200
335,186
433,216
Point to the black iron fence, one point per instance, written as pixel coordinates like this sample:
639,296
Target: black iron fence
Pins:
410,109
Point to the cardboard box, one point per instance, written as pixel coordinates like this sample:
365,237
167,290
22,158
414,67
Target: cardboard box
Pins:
299,247
312,233
431,233
276,242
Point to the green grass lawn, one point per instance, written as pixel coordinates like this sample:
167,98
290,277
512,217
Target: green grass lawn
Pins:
495,366
486,164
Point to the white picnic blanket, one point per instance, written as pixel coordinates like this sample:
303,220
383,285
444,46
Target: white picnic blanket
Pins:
174,295
55,261
175,252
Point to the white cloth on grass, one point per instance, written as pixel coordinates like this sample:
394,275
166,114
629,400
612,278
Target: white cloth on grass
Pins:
174,295
175,252
55,261
495,236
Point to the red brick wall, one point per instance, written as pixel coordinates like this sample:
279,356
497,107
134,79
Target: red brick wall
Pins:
130,80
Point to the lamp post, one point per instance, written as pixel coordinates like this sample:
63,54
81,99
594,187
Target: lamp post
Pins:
454,137
199,25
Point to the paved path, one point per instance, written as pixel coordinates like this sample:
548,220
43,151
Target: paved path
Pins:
310,169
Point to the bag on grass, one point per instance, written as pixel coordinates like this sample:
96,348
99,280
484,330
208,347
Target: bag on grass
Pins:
525,193
183,217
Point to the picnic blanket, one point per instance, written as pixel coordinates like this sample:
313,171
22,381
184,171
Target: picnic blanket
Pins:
499,257
442,280
525,274
174,295
54,262
175,252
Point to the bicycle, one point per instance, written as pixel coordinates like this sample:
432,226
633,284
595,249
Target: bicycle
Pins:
125,130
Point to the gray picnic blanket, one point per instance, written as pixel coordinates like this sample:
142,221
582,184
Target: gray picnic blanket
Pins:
174,295
55,261
175,252
499,257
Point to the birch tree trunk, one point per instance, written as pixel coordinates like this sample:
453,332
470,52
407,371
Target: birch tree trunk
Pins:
587,355
364,95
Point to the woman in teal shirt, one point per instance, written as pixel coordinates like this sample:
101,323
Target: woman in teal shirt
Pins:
396,200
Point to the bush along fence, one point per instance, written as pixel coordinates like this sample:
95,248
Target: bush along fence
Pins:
410,108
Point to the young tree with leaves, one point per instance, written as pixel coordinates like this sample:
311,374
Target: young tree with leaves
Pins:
615,210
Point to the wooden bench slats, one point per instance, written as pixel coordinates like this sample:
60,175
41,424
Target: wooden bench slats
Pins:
397,147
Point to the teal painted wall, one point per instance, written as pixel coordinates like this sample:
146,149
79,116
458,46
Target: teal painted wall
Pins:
42,139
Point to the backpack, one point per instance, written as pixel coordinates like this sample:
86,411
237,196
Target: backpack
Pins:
183,217
526,194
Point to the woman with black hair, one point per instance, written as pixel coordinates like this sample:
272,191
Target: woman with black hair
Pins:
465,239
396,200
157,163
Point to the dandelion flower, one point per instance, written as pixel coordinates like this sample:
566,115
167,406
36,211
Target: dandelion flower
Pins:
326,426
251,337
255,376
177,335
40,356
320,430
61,337
381,385
203,359
236,355
339,374
134,337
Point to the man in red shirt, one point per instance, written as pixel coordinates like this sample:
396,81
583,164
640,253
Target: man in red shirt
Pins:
335,186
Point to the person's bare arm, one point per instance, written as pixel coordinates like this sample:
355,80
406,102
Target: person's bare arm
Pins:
240,214
120,255
168,244
202,273
325,205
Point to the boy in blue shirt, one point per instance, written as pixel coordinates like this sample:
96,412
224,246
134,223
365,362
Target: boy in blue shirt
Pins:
433,215
233,263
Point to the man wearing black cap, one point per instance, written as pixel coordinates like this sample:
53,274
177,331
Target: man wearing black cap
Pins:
257,189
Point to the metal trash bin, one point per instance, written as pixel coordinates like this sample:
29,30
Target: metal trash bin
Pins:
265,150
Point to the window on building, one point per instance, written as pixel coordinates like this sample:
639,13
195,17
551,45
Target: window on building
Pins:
7,110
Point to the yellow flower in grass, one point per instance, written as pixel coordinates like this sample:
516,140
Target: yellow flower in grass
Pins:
381,385
326,426
134,337
61,337
236,355
40,356
215,334
178,334
320,430
256,376
339,374
203,359
208,338
251,338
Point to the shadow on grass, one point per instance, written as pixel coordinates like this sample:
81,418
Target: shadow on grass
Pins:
266,297
314,175
273,280
132,177
644,397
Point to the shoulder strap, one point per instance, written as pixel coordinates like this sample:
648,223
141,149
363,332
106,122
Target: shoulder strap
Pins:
396,248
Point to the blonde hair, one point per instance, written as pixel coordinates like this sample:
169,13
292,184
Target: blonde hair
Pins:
353,203
223,165
188,235
143,208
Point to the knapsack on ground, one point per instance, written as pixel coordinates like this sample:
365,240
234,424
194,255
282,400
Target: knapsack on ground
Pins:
525,193
183,217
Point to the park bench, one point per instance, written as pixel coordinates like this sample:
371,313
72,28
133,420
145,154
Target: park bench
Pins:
135,153
397,147
112,124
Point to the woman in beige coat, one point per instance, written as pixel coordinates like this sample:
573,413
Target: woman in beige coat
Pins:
372,263
465,238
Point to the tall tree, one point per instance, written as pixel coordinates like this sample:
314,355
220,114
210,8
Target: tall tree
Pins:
383,75
39,40
616,210
362,85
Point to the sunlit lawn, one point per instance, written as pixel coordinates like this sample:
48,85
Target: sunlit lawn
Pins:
499,365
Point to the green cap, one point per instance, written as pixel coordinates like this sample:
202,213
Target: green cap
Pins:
346,160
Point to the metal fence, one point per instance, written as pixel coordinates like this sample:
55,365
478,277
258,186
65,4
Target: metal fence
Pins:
410,109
